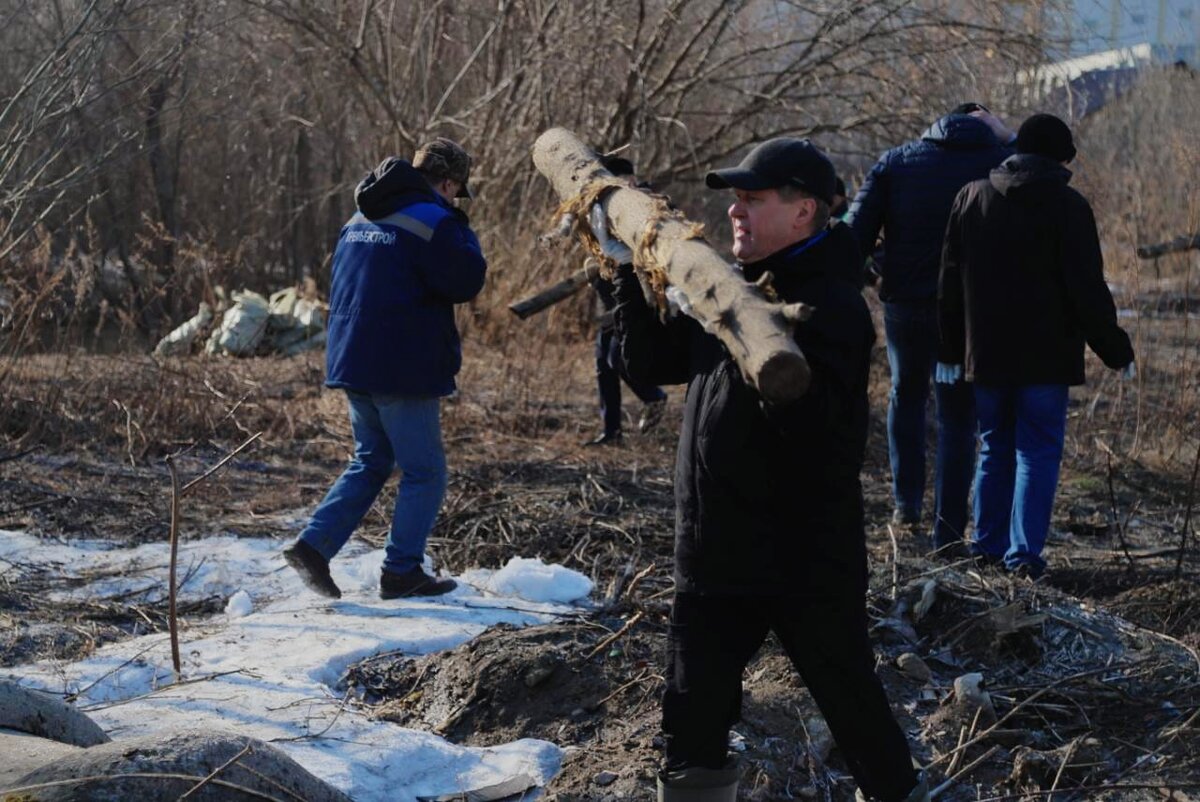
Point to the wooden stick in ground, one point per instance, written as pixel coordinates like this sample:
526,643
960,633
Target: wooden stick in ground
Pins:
613,638
756,331
176,493
172,621
558,292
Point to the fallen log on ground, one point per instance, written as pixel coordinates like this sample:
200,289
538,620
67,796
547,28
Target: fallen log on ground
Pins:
557,292
1177,245
668,249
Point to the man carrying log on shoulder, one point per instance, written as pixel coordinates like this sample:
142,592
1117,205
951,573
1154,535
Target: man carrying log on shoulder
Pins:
769,518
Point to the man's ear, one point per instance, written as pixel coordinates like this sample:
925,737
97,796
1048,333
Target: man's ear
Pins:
806,210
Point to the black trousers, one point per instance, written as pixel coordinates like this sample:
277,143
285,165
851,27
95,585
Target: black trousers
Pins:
712,638
610,371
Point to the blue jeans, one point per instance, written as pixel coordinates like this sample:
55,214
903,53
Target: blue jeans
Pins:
1021,443
610,371
389,431
912,343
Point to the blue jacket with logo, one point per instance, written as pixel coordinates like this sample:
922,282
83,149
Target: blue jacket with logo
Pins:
401,264
908,194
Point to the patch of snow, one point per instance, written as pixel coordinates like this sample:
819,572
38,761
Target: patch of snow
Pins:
530,578
239,605
272,667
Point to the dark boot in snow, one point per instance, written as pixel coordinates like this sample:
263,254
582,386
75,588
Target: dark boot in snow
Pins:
312,568
414,583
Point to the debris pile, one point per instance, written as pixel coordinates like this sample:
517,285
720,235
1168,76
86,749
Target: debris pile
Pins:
291,321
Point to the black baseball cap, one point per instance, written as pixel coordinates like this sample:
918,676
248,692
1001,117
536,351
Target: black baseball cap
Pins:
785,161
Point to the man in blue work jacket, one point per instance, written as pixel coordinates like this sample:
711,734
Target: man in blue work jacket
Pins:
402,262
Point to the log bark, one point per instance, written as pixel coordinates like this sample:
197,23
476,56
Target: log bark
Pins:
756,331
1177,245
557,292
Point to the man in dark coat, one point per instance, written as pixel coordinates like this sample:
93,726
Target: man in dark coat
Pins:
610,371
401,264
907,195
769,512
1021,290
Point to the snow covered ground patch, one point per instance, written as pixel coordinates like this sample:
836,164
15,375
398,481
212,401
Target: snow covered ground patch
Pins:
269,667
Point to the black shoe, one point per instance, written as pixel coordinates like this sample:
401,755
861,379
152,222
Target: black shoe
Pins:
415,583
605,439
312,568
1028,571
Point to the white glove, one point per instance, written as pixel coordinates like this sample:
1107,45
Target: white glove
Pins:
1129,372
947,374
612,248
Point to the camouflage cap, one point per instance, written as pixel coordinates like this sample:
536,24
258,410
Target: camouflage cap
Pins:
445,158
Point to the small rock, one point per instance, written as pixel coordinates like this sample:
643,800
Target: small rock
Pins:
605,778
970,697
914,666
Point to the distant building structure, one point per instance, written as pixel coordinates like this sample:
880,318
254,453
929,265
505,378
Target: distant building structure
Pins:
1096,48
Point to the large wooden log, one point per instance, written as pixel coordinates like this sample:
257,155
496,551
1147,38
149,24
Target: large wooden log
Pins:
756,331
557,292
1177,245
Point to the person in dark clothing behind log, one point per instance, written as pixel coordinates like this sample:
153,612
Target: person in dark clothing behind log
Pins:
1021,290
769,510
907,196
609,369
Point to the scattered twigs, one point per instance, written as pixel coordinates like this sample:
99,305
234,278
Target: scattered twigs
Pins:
250,793
314,735
1187,517
642,677
637,579
189,681
895,562
213,775
1020,706
618,586
19,454
1097,787
964,771
1068,753
221,464
613,638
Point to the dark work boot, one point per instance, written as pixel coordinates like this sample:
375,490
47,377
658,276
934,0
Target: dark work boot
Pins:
697,784
605,439
414,583
312,568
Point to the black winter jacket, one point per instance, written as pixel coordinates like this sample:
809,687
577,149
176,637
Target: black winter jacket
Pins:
768,499
1022,281
908,194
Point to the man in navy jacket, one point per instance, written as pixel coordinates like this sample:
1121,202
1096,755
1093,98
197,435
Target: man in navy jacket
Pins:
907,195
402,263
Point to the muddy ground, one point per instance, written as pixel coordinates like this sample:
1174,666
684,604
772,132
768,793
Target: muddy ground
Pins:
1093,674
